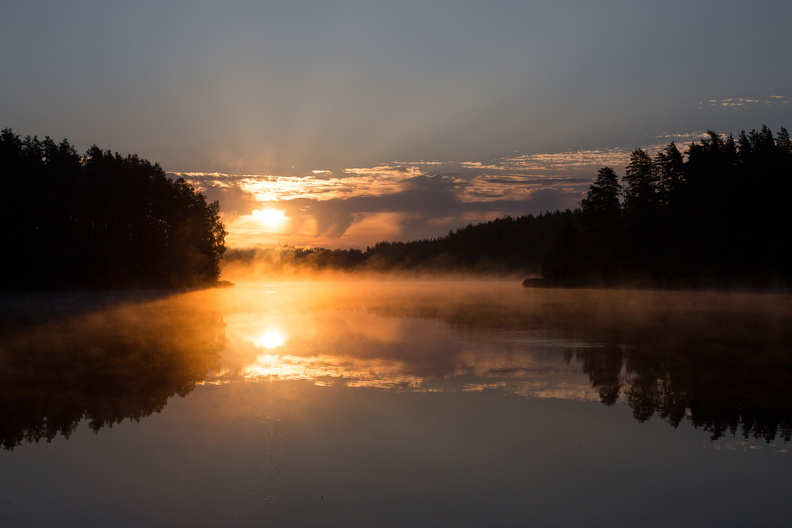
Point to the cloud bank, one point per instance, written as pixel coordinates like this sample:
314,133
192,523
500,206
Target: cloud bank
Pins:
357,207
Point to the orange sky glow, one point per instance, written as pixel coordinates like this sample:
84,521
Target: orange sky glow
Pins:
358,207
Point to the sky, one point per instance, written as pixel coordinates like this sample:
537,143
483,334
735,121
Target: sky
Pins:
344,123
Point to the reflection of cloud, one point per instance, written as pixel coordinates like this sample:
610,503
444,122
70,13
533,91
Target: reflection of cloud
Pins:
519,377
356,334
517,374
322,369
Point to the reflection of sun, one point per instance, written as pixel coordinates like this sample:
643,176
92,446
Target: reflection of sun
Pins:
270,218
270,339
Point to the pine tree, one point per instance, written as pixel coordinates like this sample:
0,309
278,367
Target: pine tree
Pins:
602,207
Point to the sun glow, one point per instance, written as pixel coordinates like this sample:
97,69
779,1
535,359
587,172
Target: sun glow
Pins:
270,218
270,339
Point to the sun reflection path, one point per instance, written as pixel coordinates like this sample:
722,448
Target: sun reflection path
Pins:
317,333
323,369
270,339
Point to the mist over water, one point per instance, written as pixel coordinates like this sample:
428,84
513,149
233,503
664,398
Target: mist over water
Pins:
328,385
114,360
663,352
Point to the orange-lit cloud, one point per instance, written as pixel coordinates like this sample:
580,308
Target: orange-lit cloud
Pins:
360,206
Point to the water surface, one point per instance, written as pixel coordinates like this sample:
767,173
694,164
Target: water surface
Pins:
395,403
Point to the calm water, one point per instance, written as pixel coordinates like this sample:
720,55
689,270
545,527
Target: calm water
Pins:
396,404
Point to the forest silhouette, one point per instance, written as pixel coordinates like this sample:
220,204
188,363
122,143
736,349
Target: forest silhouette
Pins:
502,246
714,215
101,220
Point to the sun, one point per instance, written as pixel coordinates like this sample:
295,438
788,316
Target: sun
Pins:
270,218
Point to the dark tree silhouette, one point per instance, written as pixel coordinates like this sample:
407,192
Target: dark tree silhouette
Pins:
669,170
601,207
590,238
101,220
641,212
715,216
504,245
640,185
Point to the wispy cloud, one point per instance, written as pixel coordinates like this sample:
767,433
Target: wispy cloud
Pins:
741,102
564,162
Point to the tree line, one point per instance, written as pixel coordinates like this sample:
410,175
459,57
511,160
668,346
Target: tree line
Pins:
507,245
714,215
101,220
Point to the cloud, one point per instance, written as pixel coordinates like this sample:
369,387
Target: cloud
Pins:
399,170
235,201
740,102
423,204
405,200
681,137
571,161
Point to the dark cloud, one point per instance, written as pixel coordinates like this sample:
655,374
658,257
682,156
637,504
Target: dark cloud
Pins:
421,204
425,201
232,199
332,221
223,188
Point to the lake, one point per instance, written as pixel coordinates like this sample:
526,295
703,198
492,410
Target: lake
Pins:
396,403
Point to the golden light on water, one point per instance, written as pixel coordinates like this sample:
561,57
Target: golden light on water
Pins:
336,333
270,339
324,369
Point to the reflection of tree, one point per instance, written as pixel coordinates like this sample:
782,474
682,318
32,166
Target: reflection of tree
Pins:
106,367
723,361
720,388
603,365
